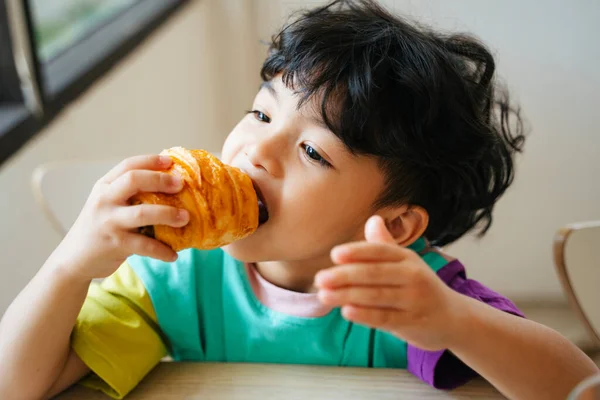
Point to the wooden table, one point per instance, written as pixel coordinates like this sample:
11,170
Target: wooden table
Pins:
197,381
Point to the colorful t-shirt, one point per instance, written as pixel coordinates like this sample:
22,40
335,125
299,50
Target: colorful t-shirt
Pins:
210,307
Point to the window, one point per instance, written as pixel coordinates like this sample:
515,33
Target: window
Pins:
58,24
53,50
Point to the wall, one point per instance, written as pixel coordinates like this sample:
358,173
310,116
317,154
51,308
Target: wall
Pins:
548,54
187,85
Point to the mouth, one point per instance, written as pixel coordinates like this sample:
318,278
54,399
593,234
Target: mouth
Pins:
263,211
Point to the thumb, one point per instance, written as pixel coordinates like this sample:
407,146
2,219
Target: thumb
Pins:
377,232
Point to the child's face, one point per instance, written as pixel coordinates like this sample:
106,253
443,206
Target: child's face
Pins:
316,192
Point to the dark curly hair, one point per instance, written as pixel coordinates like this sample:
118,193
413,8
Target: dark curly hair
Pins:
424,104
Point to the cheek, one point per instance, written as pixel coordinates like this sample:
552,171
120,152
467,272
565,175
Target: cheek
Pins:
328,208
232,145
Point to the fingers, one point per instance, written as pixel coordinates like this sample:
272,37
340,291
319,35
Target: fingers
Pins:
364,296
360,274
144,246
377,232
148,162
151,214
136,181
385,319
365,252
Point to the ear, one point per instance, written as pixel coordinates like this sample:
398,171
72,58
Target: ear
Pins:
406,224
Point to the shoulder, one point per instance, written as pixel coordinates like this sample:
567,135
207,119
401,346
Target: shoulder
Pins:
177,281
189,263
455,276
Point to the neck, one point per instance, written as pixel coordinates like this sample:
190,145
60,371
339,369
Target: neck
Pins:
297,276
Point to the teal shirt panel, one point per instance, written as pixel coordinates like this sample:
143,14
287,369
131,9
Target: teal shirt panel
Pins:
208,312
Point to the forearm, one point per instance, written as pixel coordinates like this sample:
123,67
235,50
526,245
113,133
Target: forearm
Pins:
35,331
521,358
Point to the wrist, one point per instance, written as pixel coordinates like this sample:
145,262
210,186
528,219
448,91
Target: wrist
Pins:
463,321
67,269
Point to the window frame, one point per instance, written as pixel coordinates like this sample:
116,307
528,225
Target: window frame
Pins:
48,88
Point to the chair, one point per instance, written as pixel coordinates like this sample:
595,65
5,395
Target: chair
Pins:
577,259
61,188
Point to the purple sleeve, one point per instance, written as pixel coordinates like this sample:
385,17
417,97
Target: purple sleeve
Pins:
441,369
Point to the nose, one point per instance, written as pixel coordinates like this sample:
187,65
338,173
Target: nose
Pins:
268,153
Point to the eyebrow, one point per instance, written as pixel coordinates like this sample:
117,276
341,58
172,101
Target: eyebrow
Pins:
269,86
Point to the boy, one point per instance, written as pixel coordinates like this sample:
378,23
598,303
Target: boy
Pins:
371,141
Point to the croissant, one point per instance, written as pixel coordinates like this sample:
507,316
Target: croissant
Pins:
220,199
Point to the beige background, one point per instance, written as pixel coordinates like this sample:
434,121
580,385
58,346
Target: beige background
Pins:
190,83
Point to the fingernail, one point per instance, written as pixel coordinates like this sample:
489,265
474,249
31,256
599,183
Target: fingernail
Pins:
347,312
335,253
174,257
321,296
165,160
327,297
176,181
372,222
321,278
183,215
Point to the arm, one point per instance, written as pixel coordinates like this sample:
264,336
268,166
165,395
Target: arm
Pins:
35,331
523,359
382,285
116,336
73,370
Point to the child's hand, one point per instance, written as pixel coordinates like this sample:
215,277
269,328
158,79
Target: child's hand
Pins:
104,234
382,285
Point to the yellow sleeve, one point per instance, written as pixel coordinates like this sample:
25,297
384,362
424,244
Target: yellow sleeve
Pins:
117,335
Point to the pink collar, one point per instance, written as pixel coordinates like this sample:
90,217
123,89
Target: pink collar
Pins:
285,301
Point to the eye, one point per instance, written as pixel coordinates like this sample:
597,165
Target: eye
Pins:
259,115
313,155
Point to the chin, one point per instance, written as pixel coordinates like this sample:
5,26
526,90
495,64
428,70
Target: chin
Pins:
250,249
